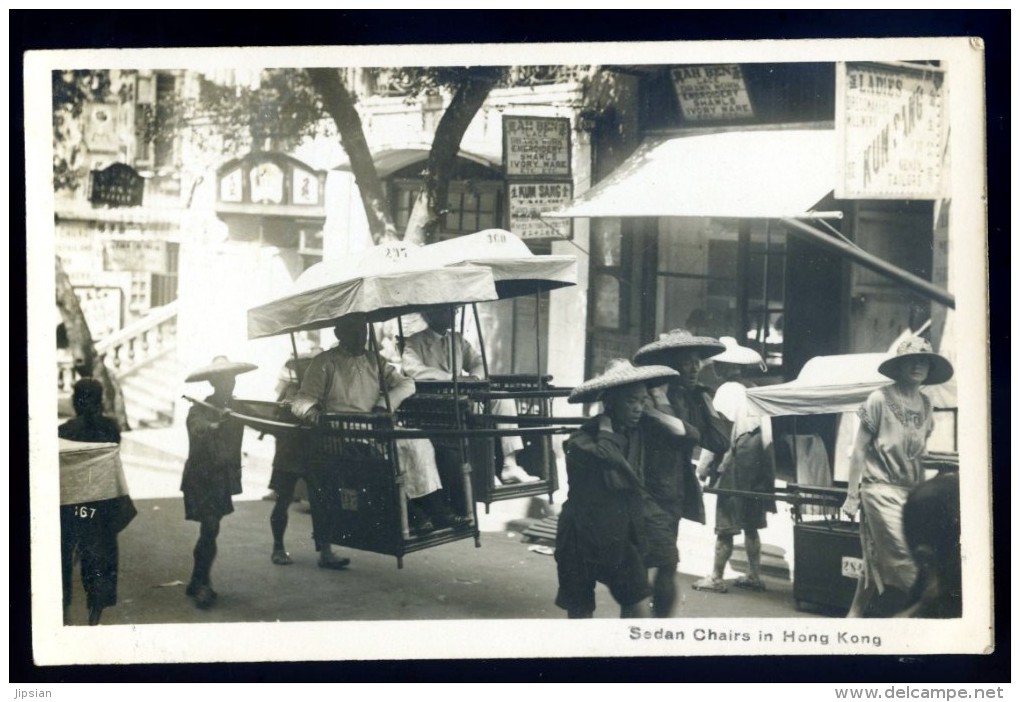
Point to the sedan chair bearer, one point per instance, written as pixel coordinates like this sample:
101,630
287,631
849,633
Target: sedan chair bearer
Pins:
670,473
427,357
601,531
346,379
212,473
748,466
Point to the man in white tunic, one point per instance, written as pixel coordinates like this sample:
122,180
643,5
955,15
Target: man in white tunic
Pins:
346,379
427,357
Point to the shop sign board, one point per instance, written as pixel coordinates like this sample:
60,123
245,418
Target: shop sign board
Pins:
715,93
536,147
117,185
103,308
528,200
891,131
134,254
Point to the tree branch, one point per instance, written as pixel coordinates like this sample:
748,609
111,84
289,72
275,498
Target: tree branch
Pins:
339,104
468,98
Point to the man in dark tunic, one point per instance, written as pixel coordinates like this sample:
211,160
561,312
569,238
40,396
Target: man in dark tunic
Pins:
670,477
91,527
212,473
601,530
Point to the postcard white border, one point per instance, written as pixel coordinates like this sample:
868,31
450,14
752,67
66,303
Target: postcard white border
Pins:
54,644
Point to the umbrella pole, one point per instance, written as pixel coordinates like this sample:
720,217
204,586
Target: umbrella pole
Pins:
400,334
373,347
297,366
465,467
538,334
481,341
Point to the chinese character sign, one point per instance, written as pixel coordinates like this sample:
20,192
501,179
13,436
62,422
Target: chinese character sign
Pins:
890,125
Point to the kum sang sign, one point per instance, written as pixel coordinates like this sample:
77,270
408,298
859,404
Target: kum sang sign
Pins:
536,147
891,131
527,202
712,93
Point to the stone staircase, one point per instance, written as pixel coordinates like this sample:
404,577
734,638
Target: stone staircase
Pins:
143,358
150,391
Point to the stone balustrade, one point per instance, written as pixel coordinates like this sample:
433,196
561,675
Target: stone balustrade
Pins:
139,341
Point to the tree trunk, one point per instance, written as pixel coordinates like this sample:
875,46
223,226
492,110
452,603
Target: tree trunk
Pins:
339,103
430,205
87,363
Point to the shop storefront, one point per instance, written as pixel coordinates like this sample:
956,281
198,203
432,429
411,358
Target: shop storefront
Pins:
732,228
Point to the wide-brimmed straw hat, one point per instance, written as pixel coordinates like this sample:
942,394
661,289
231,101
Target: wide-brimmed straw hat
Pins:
738,355
674,342
619,372
220,365
940,370
302,361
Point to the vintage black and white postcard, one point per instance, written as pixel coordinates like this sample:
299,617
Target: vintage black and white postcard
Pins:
326,318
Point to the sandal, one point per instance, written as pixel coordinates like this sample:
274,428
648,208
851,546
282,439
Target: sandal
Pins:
710,584
749,583
332,562
281,557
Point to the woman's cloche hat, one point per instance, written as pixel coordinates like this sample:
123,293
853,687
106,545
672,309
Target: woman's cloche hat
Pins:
220,365
940,369
619,372
672,342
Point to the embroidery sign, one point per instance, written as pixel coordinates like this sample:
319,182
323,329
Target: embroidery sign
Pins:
536,147
712,93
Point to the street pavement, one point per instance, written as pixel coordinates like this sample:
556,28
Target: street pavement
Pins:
510,577
504,579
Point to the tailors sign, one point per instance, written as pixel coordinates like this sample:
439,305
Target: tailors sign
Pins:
891,130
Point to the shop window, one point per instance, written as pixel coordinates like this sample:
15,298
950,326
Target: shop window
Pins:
138,301
163,144
717,280
471,205
609,299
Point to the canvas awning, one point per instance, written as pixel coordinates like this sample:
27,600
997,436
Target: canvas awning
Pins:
757,173
833,384
382,282
768,173
516,270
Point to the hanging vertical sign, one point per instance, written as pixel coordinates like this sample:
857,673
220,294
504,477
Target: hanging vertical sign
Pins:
890,131
536,147
528,201
536,162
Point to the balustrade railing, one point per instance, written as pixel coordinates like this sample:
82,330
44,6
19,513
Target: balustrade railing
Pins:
140,341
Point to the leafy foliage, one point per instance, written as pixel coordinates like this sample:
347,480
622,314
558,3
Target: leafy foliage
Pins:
72,91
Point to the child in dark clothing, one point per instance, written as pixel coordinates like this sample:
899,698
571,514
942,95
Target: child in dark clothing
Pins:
212,473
